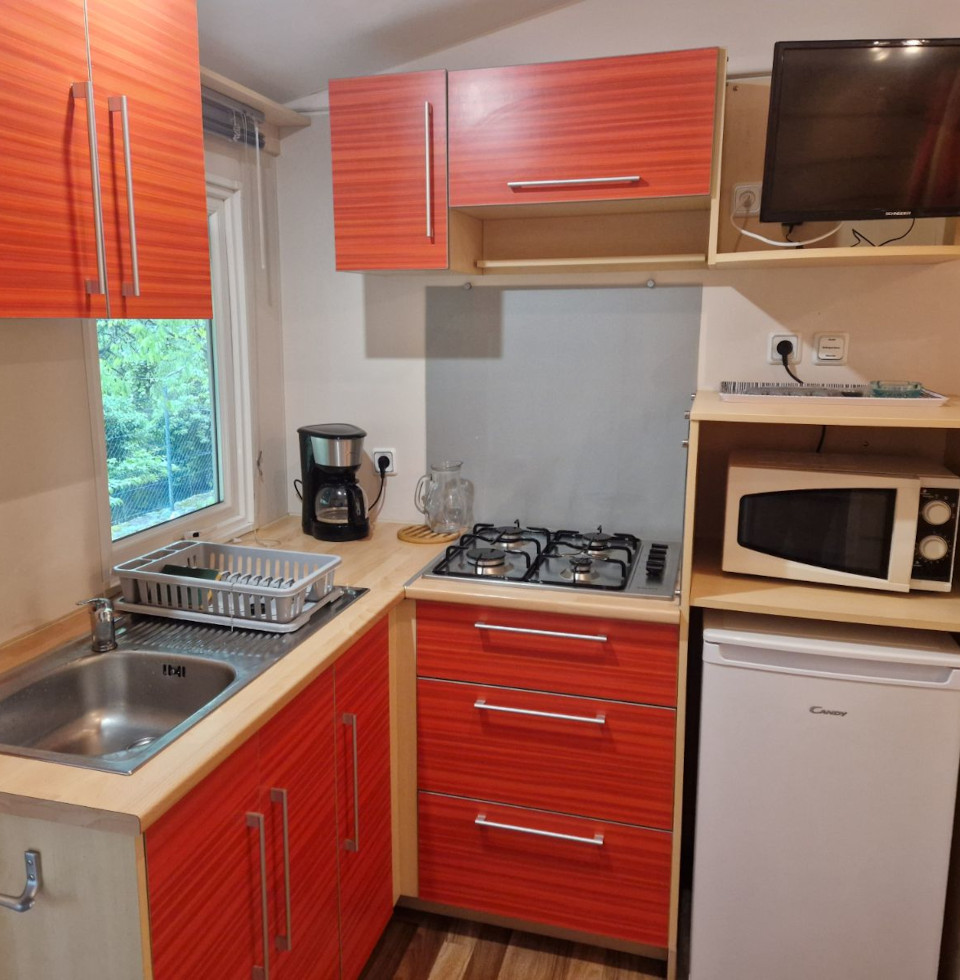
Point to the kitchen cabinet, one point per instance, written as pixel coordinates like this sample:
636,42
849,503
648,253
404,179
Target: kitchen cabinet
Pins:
546,767
81,145
389,151
291,837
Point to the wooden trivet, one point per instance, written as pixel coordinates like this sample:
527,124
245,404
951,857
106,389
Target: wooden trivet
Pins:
421,534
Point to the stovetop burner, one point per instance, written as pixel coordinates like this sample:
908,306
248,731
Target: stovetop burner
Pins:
536,557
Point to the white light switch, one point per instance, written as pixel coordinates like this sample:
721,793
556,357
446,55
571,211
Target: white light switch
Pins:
830,348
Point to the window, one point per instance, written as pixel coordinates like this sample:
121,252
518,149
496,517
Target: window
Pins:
173,404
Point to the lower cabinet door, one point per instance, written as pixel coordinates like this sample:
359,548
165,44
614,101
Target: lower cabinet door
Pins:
605,878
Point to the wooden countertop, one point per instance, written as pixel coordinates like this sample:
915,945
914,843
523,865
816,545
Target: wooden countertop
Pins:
381,563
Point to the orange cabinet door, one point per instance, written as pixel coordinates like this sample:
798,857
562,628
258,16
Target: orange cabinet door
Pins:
581,756
298,800
204,877
640,126
147,82
47,230
389,138
363,797
605,878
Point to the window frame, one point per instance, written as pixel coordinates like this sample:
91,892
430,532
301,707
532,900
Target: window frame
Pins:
232,388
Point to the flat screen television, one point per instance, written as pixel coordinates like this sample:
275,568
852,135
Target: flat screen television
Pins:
863,129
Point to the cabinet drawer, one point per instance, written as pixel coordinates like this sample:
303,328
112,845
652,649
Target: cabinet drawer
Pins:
600,658
612,880
602,759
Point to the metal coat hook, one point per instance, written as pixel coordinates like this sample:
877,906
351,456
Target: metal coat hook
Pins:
25,900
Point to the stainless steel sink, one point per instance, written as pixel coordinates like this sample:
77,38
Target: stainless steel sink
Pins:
114,711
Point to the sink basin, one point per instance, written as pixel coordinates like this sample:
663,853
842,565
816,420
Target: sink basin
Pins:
114,711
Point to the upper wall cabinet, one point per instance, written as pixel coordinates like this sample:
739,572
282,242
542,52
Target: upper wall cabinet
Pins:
389,140
103,203
598,130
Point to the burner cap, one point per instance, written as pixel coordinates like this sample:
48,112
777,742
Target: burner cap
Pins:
581,570
486,557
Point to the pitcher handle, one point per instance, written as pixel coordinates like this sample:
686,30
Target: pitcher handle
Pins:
419,495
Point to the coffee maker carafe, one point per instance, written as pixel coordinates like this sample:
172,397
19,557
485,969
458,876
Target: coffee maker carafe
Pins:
334,506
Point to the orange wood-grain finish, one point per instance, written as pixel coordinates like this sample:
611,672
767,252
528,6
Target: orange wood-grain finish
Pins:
366,872
619,889
382,143
47,238
637,661
649,116
203,872
148,52
619,770
296,757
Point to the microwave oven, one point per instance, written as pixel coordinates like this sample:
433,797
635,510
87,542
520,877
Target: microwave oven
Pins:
876,522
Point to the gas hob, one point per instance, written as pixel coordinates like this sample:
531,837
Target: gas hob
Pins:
536,557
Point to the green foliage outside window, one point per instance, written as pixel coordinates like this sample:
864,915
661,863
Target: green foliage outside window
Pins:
157,382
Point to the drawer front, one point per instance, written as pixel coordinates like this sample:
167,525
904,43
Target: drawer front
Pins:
582,655
611,879
593,758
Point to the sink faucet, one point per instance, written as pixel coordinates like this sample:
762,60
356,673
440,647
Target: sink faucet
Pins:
103,623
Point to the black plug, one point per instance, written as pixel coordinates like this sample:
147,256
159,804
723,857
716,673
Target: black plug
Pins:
383,464
785,348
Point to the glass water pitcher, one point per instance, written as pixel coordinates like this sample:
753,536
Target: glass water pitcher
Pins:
445,498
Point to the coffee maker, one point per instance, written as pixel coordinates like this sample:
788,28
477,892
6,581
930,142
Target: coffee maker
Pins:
334,505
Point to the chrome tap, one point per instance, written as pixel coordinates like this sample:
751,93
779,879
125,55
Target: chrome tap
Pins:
103,624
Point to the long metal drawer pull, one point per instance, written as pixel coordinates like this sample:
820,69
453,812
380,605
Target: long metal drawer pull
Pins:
598,719
262,972
118,103
285,942
98,286
574,182
353,844
592,637
481,821
26,899
428,164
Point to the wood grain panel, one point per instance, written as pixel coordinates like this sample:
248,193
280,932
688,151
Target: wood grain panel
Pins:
296,755
620,770
203,871
378,136
366,874
619,889
648,115
47,238
149,53
636,662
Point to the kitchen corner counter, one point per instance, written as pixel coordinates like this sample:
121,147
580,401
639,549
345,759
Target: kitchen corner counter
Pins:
130,803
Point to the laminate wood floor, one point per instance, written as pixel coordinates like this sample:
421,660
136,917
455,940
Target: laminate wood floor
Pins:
421,946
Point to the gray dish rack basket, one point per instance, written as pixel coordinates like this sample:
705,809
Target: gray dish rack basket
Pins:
254,588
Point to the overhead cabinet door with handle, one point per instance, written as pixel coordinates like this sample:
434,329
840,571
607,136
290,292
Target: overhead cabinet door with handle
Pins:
634,127
103,194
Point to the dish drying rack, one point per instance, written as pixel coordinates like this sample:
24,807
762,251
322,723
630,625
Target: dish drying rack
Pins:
230,585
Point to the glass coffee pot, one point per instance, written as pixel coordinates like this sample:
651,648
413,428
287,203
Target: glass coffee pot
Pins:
445,498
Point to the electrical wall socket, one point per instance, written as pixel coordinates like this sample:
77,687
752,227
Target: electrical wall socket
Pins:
793,358
391,455
746,200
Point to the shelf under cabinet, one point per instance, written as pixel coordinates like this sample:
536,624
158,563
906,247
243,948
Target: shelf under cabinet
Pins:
809,257
617,263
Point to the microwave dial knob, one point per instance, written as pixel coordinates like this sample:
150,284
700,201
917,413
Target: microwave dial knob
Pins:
936,512
933,547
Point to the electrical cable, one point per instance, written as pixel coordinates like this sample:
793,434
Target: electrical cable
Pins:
770,241
823,435
913,221
785,349
382,464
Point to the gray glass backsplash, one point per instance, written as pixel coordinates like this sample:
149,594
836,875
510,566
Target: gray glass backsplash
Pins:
566,405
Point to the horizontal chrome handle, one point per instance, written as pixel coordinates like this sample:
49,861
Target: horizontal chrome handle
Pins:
26,899
598,719
481,821
574,182
592,637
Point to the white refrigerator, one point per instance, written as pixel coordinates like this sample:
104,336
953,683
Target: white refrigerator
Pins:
825,798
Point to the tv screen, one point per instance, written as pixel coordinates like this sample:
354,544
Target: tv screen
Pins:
863,129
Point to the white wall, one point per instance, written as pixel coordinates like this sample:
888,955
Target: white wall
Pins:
353,344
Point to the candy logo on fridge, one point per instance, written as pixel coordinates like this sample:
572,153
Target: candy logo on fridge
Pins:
817,710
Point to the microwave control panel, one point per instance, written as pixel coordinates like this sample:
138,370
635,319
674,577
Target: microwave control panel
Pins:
936,534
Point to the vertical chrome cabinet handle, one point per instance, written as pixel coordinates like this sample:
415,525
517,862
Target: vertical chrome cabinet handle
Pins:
256,820
598,719
481,821
26,899
98,286
428,163
592,637
285,942
353,844
118,103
